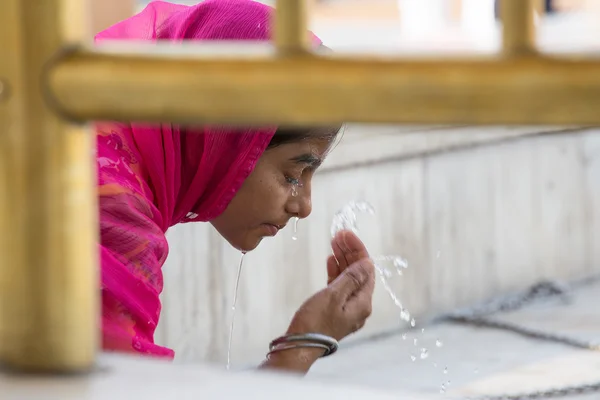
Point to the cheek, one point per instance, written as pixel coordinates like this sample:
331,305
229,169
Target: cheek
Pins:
263,195
272,191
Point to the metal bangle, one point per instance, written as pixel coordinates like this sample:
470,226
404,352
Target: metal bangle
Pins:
315,338
284,347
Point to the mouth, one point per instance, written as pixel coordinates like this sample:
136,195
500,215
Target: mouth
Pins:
272,229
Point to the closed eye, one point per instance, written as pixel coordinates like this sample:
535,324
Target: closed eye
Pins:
308,160
292,181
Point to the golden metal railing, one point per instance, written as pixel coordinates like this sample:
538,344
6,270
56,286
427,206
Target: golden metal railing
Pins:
49,313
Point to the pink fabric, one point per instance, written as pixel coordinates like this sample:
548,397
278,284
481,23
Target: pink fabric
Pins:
151,177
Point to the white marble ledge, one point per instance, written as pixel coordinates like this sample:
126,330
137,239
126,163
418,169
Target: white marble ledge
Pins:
121,377
371,144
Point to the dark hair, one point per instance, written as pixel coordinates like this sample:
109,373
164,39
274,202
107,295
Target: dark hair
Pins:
292,135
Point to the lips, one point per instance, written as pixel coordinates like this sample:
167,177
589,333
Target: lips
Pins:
272,229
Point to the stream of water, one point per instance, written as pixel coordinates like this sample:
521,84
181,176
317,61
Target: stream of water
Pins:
233,307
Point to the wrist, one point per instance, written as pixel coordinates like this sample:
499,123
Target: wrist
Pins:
298,360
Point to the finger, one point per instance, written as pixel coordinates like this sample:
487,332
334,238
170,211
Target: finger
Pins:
340,255
348,249
354,278
360,306
333,269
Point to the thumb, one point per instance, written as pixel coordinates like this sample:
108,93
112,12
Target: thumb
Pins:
354,278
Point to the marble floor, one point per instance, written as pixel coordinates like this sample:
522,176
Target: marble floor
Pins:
480,361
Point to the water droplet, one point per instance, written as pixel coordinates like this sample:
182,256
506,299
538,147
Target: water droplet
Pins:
404,315
294,190
295,234
424,354
404,336
447,383
439,343
445,370
413,322
384,271
423,330
413,358
400,264
415,341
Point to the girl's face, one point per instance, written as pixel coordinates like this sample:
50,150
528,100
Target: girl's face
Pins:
278,190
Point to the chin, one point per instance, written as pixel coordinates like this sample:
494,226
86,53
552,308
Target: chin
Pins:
246,245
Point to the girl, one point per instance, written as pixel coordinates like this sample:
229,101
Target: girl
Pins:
248,183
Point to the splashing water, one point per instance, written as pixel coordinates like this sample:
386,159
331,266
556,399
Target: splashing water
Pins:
439,343
233,307
387,267
295,234
346,219
398,264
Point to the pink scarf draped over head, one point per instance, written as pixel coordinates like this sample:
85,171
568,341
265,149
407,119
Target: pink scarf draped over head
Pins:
151,177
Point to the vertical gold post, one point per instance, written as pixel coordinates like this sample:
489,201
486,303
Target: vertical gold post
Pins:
518,26
539,7
48,249
291,27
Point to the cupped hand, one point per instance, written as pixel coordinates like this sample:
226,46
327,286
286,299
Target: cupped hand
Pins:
347,249
344,305
339,310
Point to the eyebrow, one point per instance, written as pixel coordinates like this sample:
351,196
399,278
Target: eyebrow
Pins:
308,159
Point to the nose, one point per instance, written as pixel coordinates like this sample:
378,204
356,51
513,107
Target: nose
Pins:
301,204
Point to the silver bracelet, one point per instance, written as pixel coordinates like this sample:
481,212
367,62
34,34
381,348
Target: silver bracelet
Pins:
315,340
291,346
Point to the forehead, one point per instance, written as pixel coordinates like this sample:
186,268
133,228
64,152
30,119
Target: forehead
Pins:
315,146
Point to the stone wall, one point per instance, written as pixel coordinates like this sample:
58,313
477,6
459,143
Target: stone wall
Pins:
475,211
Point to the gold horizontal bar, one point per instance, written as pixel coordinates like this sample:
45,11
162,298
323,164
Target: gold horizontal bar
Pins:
305,90
49,289
518,26
291,26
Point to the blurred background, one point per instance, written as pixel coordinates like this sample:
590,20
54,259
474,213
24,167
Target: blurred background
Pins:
418,25
476,211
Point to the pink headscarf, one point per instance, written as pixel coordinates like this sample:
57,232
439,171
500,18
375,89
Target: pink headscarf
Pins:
151,177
